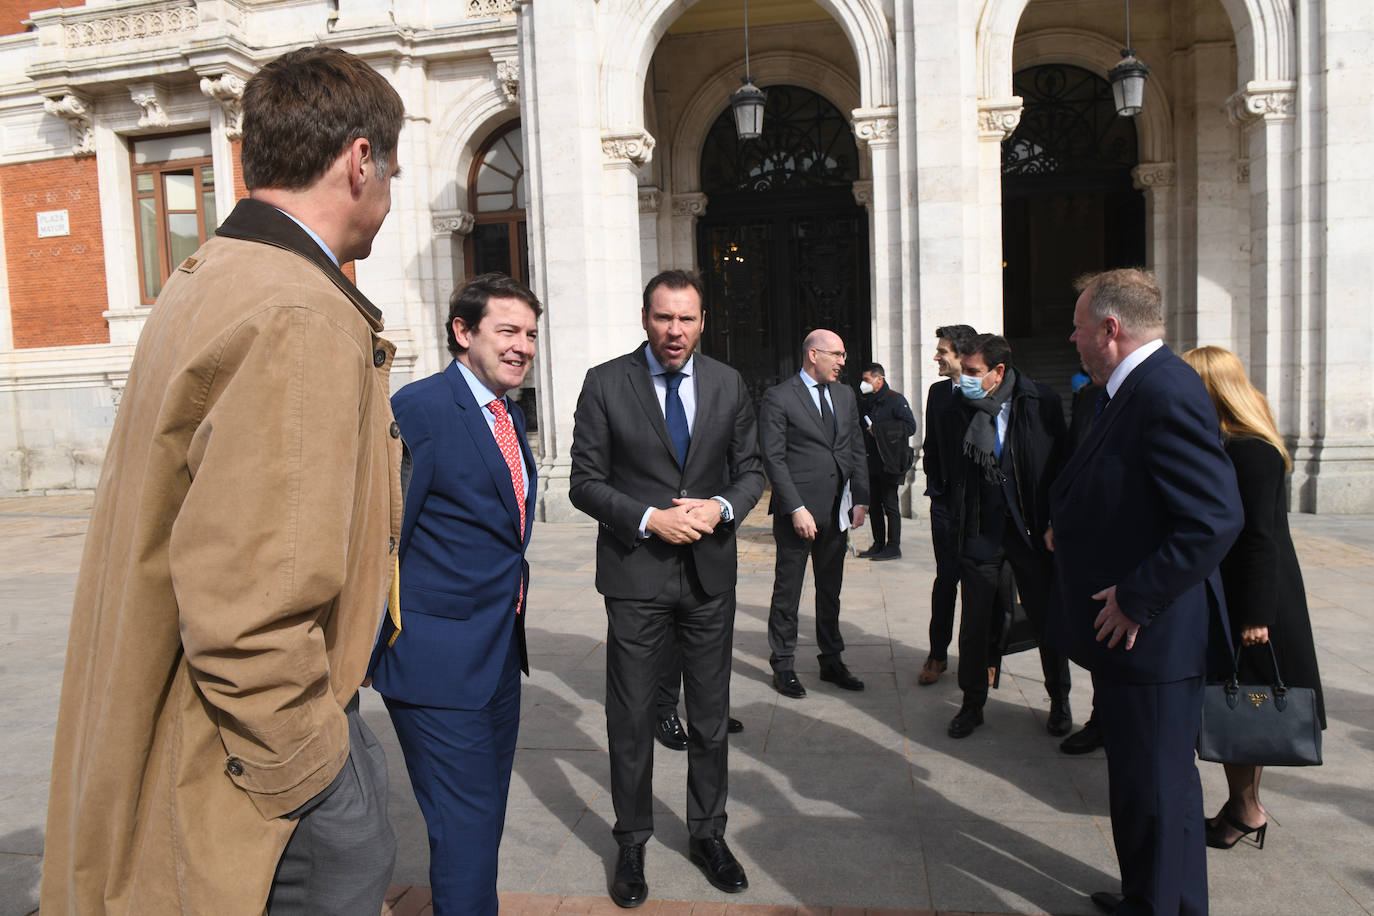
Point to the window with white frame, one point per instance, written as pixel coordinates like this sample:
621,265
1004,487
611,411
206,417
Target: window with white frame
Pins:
174,204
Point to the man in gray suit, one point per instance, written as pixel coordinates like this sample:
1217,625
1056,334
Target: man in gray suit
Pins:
665,457
813,451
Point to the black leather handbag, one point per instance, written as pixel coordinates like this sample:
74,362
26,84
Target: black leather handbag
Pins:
1260,724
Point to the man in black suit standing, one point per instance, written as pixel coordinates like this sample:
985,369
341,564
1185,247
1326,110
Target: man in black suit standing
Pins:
1143,513
889,426
938,459
665,457
813,451
1013,446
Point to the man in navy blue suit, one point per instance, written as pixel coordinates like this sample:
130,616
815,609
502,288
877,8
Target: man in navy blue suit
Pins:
1142,514
449,657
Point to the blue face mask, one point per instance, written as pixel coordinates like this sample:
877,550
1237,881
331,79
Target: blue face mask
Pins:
971,387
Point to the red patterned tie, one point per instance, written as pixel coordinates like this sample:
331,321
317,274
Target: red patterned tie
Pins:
510,450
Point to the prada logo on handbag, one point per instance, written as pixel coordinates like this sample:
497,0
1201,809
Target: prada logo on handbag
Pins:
1257,698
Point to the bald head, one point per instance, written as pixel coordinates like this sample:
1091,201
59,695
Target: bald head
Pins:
823,355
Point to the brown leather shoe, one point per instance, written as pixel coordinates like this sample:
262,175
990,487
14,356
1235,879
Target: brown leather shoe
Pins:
931,671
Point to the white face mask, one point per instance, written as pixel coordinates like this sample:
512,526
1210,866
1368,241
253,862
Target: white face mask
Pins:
865,387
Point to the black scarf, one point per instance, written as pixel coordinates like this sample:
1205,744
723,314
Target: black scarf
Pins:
980,441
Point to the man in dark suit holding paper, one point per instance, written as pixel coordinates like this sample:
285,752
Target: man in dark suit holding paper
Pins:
814,453
449,663
665,457
1143,512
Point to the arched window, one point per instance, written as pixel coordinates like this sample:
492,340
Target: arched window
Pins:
497,198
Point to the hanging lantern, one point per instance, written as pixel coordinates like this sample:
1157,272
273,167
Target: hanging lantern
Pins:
1128,84
747,104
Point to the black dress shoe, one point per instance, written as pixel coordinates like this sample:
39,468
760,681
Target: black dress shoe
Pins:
890,552
734,726
718,864
839,675
1084,741
965,721
670,732
628,888
1060,722
870,552
1106,901
786,683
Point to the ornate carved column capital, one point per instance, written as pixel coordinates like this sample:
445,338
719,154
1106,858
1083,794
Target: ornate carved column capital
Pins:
227,89
1149,175
691,204
863,192
451,222
998,118
1273,101
875,126
507,60
649,199
634,147
76,111
1243,170
154,99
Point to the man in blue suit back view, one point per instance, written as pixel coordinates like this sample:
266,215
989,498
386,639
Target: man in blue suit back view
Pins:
450,653
1142,514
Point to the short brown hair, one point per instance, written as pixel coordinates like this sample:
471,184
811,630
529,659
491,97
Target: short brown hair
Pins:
1128,294
469,302
303,109
675,279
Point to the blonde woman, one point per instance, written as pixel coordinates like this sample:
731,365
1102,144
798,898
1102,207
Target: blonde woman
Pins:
1265,598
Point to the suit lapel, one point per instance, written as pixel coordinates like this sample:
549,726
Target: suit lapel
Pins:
803,394
642,384
475,422
1098,432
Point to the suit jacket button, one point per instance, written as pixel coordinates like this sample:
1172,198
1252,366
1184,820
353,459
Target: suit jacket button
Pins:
681,492
379,358
234,767
395,430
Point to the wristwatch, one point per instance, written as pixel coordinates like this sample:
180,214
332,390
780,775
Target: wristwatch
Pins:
725,513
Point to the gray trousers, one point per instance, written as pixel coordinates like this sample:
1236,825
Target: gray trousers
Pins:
339,860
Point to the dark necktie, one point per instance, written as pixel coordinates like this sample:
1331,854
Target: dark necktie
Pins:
1102,400
827,415
676,415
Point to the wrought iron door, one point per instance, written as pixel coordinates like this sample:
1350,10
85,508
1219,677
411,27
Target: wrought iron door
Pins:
783,248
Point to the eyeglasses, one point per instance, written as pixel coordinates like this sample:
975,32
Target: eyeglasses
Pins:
838,354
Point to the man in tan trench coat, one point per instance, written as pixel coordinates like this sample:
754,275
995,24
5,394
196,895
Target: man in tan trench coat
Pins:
209,755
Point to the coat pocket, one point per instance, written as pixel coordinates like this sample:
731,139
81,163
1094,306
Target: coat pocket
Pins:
435,603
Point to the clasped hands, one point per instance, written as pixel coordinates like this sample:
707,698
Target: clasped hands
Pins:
686,521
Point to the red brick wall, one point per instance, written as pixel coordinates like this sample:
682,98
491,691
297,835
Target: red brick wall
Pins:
14,12
57,284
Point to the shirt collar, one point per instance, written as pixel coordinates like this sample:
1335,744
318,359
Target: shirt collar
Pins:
481,393
807,380
656,368
311,232
1127,365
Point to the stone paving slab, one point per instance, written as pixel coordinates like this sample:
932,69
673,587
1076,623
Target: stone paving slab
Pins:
840,802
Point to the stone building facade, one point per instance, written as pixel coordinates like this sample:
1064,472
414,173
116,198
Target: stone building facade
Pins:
927,163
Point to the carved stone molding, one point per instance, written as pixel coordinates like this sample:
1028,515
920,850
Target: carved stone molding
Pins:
134,26
482,9
227,89
507,61
863,193
875,126
1149,175
1262,101
998,118
693,204
450,222
1243,170
649,199
154,100
76,111
635,147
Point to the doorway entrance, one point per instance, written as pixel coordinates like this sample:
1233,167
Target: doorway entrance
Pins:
783,247
1068,208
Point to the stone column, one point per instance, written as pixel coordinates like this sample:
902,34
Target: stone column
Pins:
1158,181
687,209
876,129
649,200
450,231
997,120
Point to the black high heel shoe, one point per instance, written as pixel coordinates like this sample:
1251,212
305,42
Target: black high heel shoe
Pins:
1216,831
